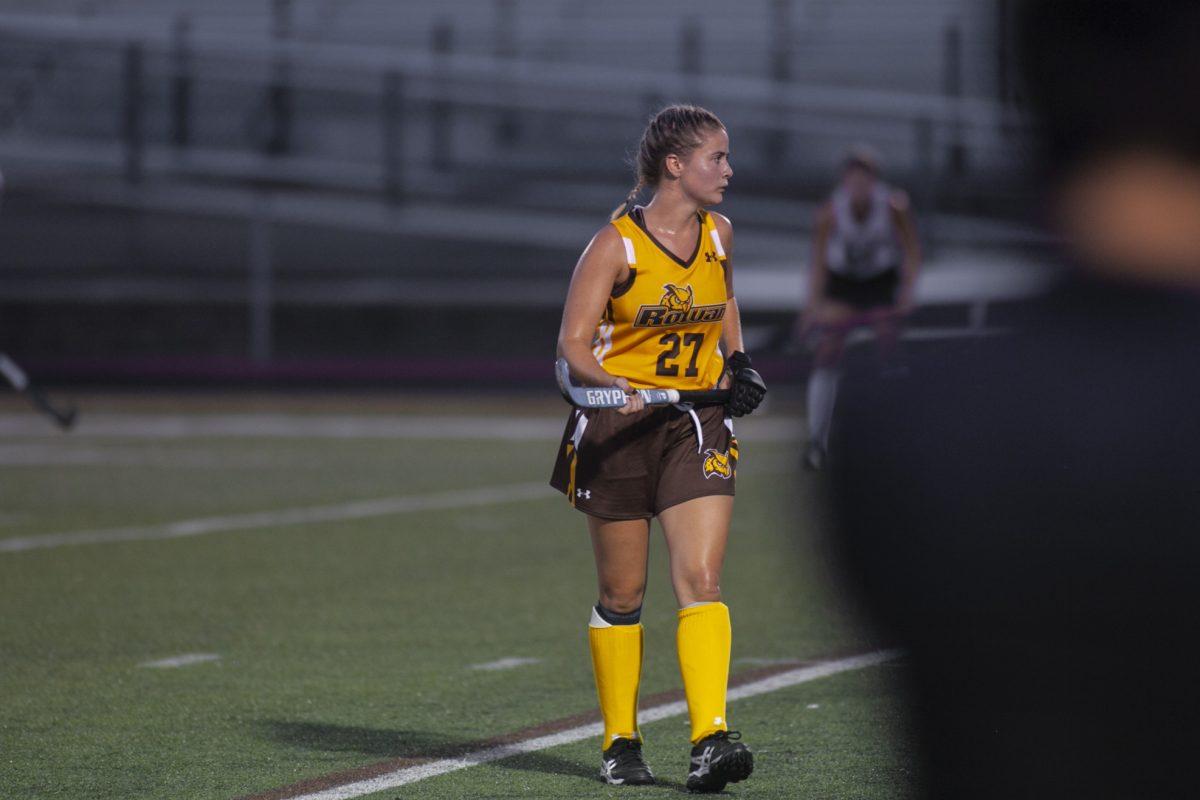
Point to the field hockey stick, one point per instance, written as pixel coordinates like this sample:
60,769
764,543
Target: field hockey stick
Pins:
613,397
859,319
63,417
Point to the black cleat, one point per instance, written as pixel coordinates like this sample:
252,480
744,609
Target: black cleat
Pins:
622,764
718,760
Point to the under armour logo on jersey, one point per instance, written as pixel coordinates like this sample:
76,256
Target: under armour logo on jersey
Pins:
586,494
711,257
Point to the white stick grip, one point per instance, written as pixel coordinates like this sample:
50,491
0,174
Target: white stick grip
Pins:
659,397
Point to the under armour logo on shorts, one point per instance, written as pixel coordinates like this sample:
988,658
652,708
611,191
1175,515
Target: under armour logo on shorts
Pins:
586,494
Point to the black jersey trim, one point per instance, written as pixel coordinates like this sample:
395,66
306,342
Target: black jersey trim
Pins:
640,220
625,285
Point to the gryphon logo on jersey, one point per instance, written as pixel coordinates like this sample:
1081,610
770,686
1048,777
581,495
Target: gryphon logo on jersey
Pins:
675,299
676,308
718,464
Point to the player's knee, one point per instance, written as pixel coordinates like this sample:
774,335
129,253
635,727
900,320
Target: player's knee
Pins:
622,600
610,616
702,586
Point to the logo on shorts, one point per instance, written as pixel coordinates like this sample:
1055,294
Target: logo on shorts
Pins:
717,464
676,308
585,494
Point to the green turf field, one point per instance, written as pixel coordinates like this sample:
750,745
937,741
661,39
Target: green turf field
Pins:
350,641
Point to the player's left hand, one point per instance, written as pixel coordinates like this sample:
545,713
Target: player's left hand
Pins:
748,387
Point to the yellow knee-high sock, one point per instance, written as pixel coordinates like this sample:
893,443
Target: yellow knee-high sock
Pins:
704,638
617,661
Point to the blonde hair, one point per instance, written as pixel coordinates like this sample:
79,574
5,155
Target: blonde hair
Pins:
674,130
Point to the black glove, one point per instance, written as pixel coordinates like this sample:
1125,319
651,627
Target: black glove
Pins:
748,387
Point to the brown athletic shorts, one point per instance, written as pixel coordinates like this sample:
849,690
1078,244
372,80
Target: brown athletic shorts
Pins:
632,467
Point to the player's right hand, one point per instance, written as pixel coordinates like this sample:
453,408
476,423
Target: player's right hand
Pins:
633,400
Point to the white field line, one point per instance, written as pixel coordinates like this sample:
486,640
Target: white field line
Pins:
185,660
359,509
497,427
289,426
408,775
505,663
65,454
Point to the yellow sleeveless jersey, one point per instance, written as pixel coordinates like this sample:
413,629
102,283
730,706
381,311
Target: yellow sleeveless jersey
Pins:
662,327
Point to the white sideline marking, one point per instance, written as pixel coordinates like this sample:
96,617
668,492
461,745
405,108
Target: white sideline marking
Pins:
185,660
46,455
289,426
505,663
359,509
496,427
418,773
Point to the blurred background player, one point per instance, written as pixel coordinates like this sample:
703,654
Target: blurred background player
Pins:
623,467
1021,513
865,258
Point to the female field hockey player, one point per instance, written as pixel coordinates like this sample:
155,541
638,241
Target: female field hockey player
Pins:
651,304
864,267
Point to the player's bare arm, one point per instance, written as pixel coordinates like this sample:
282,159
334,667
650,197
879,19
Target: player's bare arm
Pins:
731,331
747,385
601,267
905,222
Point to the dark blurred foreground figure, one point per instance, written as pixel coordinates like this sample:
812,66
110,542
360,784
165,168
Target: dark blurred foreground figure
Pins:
1023,513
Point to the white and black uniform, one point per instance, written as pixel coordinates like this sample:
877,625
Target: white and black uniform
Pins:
863,256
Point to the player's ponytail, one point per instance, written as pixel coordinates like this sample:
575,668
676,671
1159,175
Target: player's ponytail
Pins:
675,130
620,210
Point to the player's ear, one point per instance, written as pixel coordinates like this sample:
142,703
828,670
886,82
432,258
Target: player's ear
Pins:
673,166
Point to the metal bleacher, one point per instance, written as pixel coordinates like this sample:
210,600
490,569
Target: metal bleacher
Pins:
817,72
488,136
